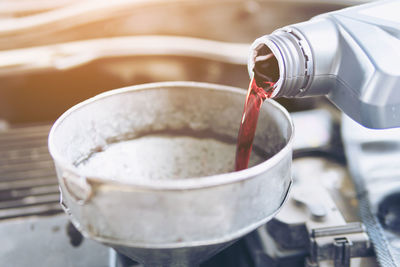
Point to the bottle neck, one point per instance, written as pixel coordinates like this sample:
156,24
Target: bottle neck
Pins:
294,58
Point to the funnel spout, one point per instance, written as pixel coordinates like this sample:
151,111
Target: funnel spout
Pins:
172,257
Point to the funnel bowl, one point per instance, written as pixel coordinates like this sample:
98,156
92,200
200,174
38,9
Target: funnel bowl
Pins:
176,200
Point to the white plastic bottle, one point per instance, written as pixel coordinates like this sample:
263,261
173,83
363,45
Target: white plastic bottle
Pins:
351,55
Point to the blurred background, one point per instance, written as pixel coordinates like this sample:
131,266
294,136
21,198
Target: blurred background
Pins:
54,54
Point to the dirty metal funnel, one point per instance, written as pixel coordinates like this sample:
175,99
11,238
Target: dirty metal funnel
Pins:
148,170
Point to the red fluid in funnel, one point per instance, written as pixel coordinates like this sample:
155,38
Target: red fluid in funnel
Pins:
255,97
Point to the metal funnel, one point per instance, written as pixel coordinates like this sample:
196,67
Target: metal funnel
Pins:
170,196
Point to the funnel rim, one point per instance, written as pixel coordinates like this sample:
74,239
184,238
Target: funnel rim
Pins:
171,184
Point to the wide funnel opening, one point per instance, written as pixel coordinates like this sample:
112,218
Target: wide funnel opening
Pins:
149,170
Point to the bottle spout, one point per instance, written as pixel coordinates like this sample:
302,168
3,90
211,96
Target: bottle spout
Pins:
284,58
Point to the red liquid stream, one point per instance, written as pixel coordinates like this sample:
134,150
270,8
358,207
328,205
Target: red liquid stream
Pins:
255,97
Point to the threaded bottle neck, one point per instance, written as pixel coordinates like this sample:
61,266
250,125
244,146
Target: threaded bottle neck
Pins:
294,58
